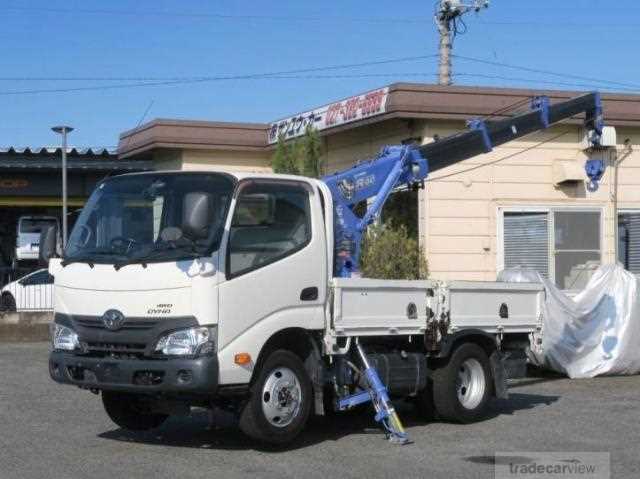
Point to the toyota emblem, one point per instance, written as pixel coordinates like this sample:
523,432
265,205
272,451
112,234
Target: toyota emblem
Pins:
113,319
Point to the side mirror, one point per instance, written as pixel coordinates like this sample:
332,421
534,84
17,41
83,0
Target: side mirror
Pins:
196,215
48,244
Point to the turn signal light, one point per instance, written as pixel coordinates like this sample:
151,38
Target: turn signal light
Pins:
242,359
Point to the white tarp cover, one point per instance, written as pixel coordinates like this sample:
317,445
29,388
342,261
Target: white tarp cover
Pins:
594,333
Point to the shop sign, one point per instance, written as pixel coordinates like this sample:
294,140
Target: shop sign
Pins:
328,116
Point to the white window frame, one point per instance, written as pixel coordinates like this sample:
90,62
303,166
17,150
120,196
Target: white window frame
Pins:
548,209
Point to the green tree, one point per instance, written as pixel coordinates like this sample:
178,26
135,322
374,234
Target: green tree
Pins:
302,156
312,154
282,160
388,252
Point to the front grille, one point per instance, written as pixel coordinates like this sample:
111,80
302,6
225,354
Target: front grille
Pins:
116,347
133,323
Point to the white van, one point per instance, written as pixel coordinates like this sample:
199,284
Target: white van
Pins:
28,235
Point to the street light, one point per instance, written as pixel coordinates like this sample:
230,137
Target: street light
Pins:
63,130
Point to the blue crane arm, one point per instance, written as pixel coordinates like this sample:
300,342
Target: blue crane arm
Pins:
409,165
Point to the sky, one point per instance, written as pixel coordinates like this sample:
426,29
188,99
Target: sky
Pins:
99,53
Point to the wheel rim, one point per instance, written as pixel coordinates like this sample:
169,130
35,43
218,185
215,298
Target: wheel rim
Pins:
281,397
470,383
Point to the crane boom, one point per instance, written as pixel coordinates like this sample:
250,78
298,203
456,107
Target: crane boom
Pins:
410,165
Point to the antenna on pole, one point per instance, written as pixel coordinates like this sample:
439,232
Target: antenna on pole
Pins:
449,22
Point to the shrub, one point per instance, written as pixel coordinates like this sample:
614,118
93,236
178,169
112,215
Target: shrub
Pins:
388,252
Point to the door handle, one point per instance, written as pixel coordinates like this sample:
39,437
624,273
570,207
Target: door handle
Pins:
309,294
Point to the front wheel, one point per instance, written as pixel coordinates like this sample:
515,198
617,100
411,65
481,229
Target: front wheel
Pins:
280,400
132,411
462,388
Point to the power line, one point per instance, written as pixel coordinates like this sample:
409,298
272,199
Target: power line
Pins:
183,82
308,18
343,66
589,86
312,73
547,72
221,16
394,75
563,24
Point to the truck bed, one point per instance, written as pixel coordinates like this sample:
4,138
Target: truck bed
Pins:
370,307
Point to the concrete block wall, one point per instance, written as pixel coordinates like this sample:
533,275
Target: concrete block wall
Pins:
25,326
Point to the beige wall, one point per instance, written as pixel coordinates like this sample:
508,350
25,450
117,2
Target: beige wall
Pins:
193,160
460,210
463,203
344,149
226,161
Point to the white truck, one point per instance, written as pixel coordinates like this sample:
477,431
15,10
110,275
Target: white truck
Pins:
201,289
28,233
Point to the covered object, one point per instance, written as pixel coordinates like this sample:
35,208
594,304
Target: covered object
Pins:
594,333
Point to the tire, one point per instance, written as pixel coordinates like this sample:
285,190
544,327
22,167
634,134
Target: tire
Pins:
7,303
273,421
424,402
463,387
131,411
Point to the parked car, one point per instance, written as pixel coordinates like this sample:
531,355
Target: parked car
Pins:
28,236
31,292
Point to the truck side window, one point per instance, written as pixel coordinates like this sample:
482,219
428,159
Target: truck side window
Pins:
271,221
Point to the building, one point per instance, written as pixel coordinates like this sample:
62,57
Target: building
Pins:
31,185
525,203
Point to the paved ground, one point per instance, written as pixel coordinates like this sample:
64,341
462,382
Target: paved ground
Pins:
52,431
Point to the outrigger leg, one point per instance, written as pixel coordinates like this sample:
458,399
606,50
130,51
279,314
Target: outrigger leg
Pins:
376,392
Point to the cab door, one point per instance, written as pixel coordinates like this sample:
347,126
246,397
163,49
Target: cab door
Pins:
274,268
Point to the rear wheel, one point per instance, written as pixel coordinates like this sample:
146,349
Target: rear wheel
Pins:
7,303
462,388
132,411
280,400
424,402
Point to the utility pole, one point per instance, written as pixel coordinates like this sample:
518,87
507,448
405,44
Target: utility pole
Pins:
63,130
447,16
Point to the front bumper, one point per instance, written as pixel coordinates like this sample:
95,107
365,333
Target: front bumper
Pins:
171,376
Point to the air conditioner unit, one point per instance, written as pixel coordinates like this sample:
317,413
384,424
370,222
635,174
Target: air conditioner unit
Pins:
567,172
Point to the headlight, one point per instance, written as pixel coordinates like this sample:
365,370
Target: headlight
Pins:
64,338
187,342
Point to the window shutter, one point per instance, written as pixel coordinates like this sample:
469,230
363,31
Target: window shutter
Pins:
526,241
632,247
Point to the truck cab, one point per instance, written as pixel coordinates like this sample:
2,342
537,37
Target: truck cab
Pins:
172,283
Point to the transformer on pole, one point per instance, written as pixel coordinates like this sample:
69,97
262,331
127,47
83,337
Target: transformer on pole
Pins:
449,22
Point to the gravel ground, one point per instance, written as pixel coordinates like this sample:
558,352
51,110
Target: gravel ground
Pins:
53,431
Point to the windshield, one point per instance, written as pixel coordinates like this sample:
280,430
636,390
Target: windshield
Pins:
142,217
36,225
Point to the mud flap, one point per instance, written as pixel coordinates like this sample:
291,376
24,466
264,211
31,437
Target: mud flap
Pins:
314,368
499,375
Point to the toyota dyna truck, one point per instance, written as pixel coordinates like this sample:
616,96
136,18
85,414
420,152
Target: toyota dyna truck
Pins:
241,291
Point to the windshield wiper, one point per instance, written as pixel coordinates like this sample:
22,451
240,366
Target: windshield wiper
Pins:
83,259
158,252
88,257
